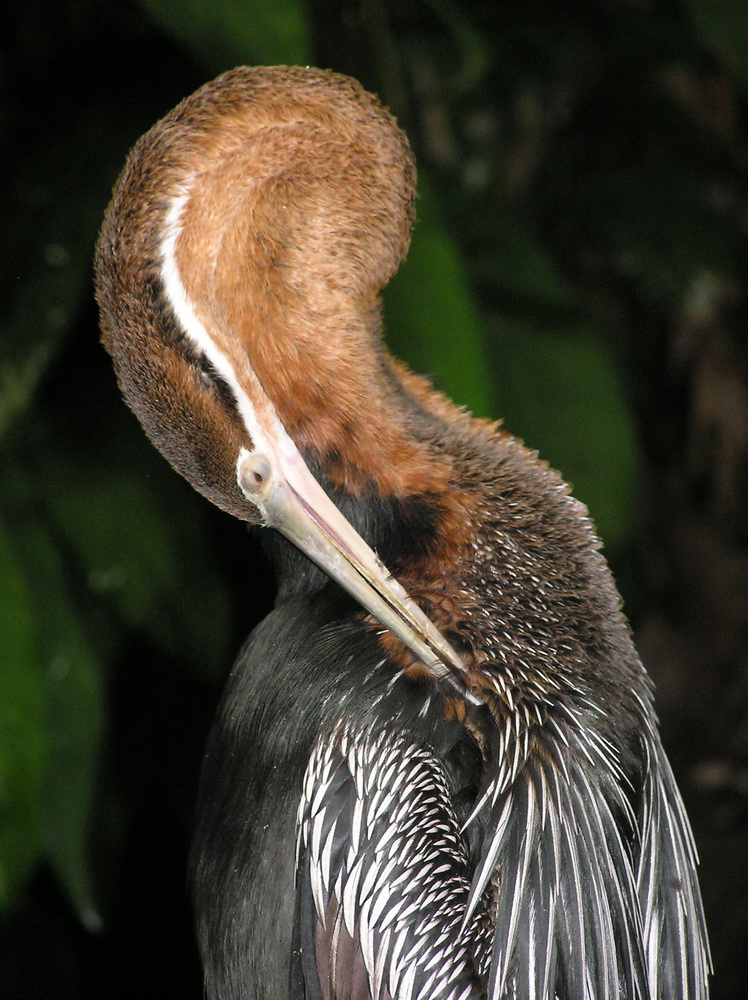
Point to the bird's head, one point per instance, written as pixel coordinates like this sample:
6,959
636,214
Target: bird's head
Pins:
238,274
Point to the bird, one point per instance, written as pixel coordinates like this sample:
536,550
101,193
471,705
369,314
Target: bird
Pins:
435,772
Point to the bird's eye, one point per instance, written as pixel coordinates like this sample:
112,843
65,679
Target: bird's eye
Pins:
253,473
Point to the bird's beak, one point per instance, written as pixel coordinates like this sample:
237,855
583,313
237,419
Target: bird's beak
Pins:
291,500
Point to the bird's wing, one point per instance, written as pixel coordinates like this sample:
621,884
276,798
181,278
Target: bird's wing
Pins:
560,834
594,899
382,876
584,887
674,929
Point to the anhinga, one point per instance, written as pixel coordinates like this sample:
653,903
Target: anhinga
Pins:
436,771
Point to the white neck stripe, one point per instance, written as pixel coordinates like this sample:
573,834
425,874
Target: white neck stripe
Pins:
197,334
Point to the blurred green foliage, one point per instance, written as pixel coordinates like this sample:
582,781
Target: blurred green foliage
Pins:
227,33
431,317
23,738
541,174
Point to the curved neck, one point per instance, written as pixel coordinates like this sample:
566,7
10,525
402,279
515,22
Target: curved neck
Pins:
339,403
283,269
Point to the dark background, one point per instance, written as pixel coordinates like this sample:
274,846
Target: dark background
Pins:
578,268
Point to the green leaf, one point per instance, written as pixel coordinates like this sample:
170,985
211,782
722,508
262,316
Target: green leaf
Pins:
560,392
47,300
139,535
74,719
22,726
228,33
53,212
431,319
472,50
516,267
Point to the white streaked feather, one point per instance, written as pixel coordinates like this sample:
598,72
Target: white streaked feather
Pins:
621,876
326,857
488,861
380,901
321,792
335,945
316,839
387,836
673,917
370,879
571,856
318,891
532,951
349,902
425,992
398,968
504,949
407,984
366,937
356,826
380,966
396,912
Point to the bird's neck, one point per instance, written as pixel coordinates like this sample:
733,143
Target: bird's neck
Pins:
273,301
393,475
346,406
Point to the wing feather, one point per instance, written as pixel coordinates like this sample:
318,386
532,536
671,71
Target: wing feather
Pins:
674,928
562,842
583,887
382,873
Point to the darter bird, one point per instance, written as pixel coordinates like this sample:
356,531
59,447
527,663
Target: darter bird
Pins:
436,772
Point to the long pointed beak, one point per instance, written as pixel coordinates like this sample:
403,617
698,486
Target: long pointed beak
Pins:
292,501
